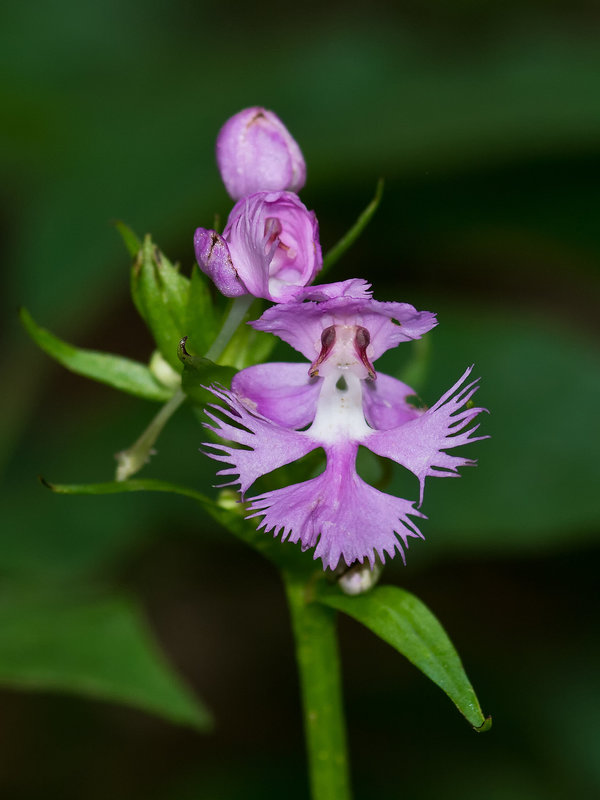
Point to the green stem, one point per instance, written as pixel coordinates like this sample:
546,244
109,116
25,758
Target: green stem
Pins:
133,459
338,250
319,667
236,314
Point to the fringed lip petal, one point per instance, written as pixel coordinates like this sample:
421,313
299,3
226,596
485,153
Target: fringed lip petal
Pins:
419,445
265,445
339,514
279,391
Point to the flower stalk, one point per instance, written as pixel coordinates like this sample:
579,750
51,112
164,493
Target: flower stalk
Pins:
318,661
132,459
233,320
273,415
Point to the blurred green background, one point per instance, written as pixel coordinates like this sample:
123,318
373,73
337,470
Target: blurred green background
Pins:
484,119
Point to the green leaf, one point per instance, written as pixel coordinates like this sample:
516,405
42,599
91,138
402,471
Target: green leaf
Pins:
229,512
338,250
402,620
98,648
160,294
199,372
116,371
132,241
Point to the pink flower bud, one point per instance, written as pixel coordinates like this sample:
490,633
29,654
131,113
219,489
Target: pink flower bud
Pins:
256,153
269,248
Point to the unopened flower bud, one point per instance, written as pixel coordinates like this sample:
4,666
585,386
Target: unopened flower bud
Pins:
163,371
255,153
360,577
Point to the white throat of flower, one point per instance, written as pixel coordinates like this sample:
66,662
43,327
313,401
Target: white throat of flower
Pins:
344,365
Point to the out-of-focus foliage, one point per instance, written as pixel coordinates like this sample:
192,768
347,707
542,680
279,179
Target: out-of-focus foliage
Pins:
121,373
94,647
484,119
534,486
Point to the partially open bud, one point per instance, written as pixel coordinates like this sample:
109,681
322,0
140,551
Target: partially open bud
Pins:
269,248
255,153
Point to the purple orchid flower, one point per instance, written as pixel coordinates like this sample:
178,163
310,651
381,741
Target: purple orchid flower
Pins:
269,248
281,412
256,153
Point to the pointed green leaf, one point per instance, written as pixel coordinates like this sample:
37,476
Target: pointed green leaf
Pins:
98,648
403,621
131,240
228,511
160,294
199,372
117,371
338,250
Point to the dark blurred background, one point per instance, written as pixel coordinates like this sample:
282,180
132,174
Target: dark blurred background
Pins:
484,119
